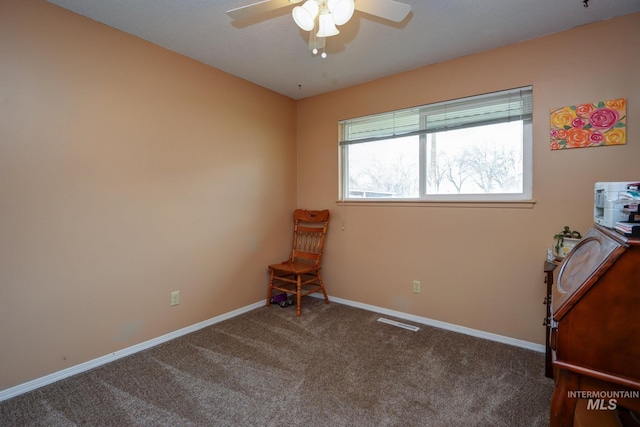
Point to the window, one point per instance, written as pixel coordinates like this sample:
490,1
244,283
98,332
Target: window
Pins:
468,149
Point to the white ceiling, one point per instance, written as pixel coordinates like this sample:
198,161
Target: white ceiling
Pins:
271,51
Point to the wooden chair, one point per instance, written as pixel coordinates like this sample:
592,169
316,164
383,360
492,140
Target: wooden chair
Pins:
300,274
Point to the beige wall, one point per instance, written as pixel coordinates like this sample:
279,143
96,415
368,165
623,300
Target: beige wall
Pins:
479,267
127,172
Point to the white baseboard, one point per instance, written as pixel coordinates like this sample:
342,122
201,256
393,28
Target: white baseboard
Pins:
65,373
442,325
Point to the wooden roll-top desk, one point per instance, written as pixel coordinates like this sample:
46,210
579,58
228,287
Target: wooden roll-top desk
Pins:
595,322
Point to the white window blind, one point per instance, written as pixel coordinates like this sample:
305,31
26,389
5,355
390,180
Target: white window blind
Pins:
490,108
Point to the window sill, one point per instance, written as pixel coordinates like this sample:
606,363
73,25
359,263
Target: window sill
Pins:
502,204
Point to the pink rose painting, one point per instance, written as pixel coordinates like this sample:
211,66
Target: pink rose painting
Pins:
589,125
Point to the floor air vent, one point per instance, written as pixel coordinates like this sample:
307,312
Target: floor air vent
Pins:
399,324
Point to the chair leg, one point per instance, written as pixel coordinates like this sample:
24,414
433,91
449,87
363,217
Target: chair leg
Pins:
324,292
298,295
273,273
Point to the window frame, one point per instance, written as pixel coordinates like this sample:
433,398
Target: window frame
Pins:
527,158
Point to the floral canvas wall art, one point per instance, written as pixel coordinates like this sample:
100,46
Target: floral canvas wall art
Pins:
589,125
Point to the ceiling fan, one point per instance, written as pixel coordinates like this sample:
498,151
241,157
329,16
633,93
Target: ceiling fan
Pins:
321,17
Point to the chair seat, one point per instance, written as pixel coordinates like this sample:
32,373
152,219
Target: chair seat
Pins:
294,267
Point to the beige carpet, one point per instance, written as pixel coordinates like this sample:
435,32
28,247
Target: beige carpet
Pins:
334,366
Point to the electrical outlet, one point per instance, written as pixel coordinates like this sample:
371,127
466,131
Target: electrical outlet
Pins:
416,286
175,297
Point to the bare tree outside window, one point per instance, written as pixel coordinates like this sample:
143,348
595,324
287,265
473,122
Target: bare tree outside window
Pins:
486,159
387,168
467,161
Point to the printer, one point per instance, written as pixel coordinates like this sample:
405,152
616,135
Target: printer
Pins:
612,200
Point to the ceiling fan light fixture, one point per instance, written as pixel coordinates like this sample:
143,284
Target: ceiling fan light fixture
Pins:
327,27
341,10
305,15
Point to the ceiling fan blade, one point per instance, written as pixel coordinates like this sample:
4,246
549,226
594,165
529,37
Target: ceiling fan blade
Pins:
386,9
259,7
